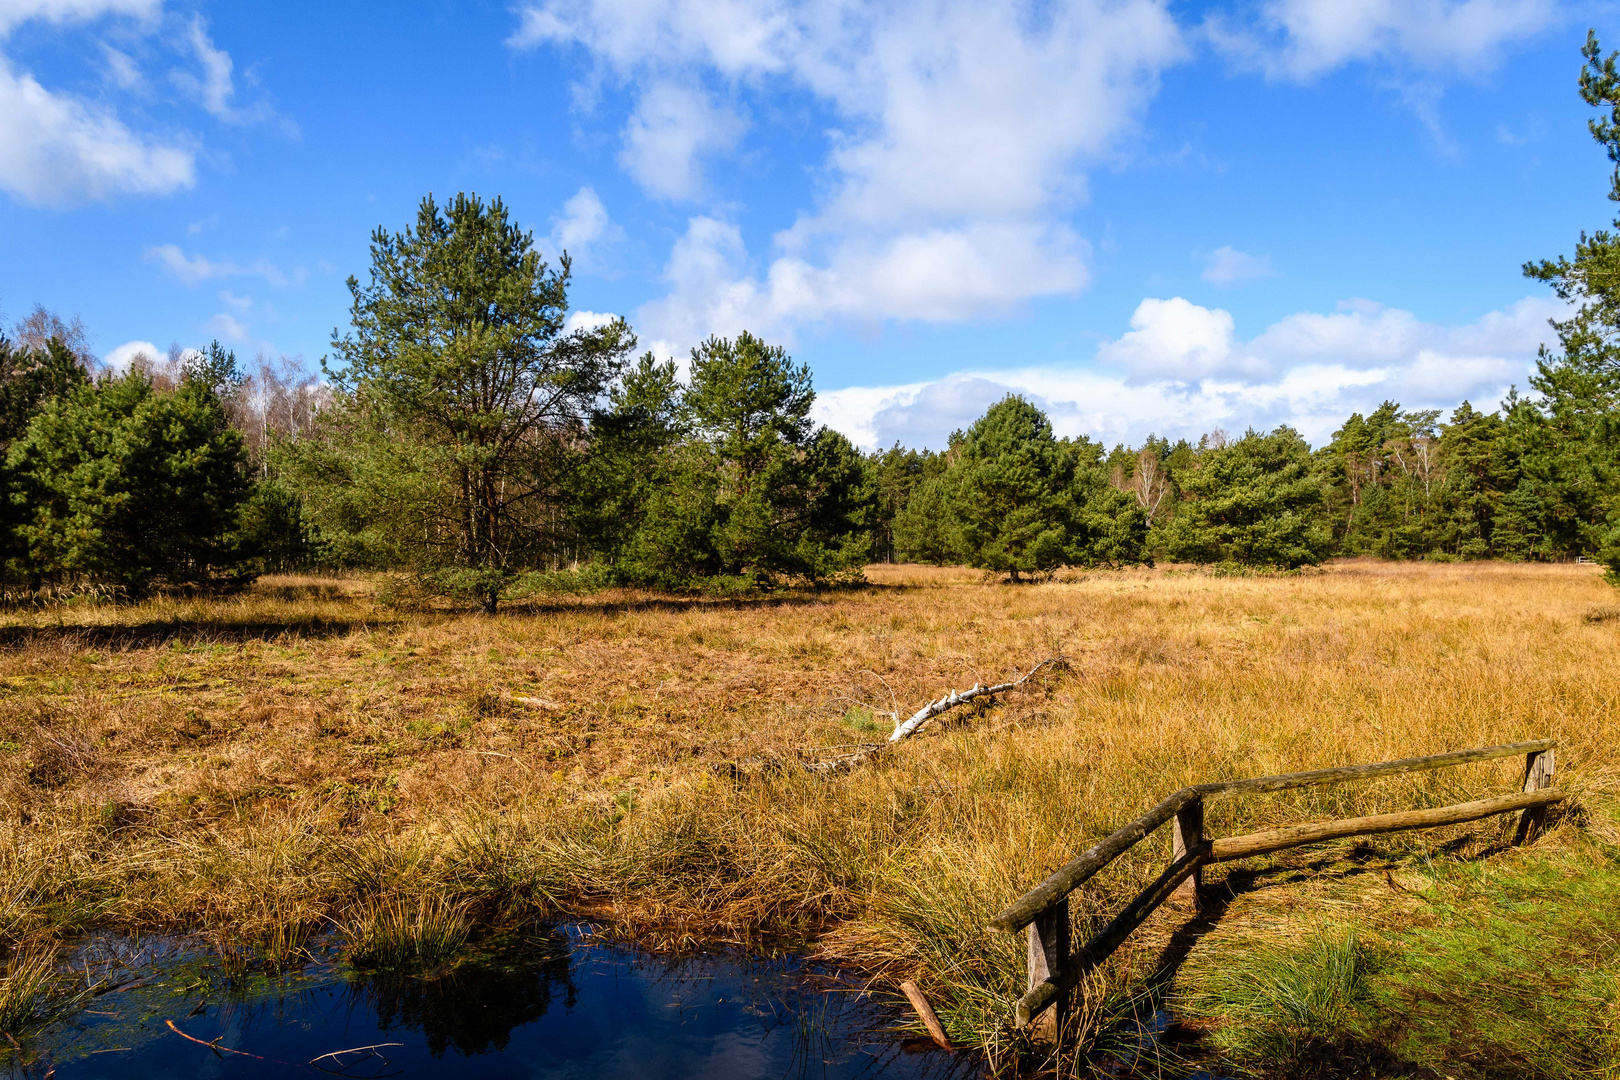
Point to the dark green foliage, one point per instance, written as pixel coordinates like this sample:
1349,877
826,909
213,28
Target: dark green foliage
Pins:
1253,501
459,401
216,368
119,483
271,528
28,379
1018,501
923,528
625,466
726,477
895,474
1570,447
1009,498
1109,526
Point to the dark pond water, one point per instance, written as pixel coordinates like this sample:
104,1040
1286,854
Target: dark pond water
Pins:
569,1006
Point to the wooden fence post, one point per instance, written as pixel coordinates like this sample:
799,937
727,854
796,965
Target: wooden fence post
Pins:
1188,835
1538,775
1049,956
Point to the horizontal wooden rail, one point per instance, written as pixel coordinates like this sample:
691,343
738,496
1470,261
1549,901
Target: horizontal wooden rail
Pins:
1077,871
1109,937
1263,843
1044,910
1368,772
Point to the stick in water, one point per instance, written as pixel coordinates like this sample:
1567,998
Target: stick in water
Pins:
926,1012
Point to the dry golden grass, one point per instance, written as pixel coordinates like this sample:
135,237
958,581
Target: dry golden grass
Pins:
254,766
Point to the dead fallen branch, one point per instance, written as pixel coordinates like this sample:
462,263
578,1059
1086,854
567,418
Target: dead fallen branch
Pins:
953,699
928,712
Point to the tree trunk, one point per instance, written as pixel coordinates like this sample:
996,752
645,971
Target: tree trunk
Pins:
491,598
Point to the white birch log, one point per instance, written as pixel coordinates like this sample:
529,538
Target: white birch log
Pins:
928,712
955,698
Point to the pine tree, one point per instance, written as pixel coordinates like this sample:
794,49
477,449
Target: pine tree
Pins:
120,483
1576,461
1254,501
1010,500
458,397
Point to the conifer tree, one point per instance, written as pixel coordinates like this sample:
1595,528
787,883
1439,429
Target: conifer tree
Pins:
124,484
459,392
1252,501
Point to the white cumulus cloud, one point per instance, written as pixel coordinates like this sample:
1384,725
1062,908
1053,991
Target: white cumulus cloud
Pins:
582,228
963,134
671,130
56,150
1182,370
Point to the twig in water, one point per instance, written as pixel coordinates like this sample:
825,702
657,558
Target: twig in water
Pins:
216,1048
338,1055
925,1013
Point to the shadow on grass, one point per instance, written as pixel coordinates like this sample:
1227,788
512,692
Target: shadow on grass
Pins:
226,631
671,605
1342,1056
148,634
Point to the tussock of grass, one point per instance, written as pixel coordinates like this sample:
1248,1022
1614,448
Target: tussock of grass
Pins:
1284,996
23,987
279,759
397,931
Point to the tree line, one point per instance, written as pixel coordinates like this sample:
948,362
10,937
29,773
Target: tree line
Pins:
465,433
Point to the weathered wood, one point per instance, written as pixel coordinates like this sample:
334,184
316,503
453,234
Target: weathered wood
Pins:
1048,940
1368,772
1075,872
954,698
1538,776
1242,847
1186,835
925,1013
1110,937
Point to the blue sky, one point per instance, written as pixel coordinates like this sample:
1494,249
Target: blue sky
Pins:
1150,217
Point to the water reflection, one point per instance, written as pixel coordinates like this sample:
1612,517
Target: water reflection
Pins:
473,1008
566,1007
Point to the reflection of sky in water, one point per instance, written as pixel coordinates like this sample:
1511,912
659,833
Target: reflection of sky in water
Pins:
581,1009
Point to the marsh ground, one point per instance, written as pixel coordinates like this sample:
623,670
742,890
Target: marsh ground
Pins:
258,767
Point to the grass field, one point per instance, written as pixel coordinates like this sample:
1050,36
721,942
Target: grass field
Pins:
261,768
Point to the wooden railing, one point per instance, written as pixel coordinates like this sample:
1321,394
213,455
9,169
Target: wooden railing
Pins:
1044,911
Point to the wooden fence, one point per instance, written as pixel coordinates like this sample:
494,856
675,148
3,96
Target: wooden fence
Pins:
1044,911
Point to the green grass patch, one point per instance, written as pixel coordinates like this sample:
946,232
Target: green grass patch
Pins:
1507,966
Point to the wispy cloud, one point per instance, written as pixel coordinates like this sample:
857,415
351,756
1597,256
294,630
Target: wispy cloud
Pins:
194,269
1228,266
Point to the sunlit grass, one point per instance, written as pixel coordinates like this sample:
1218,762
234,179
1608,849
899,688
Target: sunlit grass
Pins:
263,765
